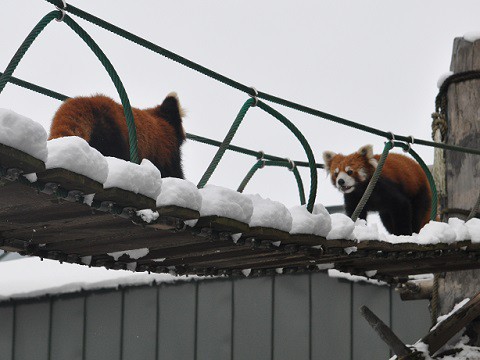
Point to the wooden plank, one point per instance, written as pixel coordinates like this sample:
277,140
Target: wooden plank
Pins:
221,224
385,333
70,180
13,158
124,198
440,335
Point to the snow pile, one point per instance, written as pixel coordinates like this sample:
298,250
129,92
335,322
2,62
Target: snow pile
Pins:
180,193
473,226
472,36
225,202
148,215
24,134
73,153
317,223
353,278
436,232
143,178
460,229
364,231
269,213
342,227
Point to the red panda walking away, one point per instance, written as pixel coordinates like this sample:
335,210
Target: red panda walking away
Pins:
402,195
101,122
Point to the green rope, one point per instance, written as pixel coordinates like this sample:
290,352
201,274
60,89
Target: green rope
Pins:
261,163
373,181
12,65
426,170
226,142
127,109
244,151
306,147
7,74
376,175
247,89
36,88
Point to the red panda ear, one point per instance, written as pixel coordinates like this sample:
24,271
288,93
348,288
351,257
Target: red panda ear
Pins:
367,152
327,158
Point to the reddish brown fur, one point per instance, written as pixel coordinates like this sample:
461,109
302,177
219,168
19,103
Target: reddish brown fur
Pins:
158,140
398,168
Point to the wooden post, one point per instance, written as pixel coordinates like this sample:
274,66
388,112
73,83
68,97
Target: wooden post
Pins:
462,170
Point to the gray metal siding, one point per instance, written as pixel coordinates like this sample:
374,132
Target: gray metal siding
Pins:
32,331
67,329
252,319
311,317
176,324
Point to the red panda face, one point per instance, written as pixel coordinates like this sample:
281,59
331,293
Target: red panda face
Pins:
346,172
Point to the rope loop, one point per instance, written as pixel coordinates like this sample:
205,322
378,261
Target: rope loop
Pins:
292,164
409,144
62,11
392,137
255,96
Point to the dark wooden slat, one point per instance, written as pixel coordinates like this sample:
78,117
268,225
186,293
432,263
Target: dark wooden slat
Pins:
70,180
13,158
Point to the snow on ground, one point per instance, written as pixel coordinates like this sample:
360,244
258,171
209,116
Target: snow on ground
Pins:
269,213
143,178
31,277
181,193
73,153
317,223
21,133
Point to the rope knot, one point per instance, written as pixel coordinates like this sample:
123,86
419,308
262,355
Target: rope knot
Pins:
439,123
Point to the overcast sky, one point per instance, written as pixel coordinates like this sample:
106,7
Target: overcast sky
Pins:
374,62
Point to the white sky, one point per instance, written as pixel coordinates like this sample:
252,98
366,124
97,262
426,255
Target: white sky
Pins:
374,62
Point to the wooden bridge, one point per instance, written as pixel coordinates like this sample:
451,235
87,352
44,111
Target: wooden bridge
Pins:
48,218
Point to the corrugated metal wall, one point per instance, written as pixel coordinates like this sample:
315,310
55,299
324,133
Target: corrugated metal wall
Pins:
290,317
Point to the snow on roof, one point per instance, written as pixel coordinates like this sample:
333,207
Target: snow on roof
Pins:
30,277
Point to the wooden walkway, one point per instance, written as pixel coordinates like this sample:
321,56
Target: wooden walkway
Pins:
49,219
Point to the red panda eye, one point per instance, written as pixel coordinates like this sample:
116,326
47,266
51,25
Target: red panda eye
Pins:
349,172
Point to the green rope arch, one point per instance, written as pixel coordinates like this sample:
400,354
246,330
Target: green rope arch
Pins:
261,163
7,74
376,175
226,142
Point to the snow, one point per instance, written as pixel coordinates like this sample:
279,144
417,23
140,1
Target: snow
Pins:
461,230
269,213
436,232
31,177
443,77
473,226
133,254
225,202
472,36
180,193
143,178
342,227
364,231
23,134
148,215
31,277
457,307
354,278
73,153
317,223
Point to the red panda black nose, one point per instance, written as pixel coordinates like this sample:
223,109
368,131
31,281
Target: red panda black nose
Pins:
341,182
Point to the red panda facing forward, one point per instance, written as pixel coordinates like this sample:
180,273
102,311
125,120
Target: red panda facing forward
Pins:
101,122
402,195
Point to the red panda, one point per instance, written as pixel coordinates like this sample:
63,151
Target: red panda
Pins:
402,195
101,122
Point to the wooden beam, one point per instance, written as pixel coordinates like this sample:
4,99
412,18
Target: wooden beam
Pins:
452,325
385,333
